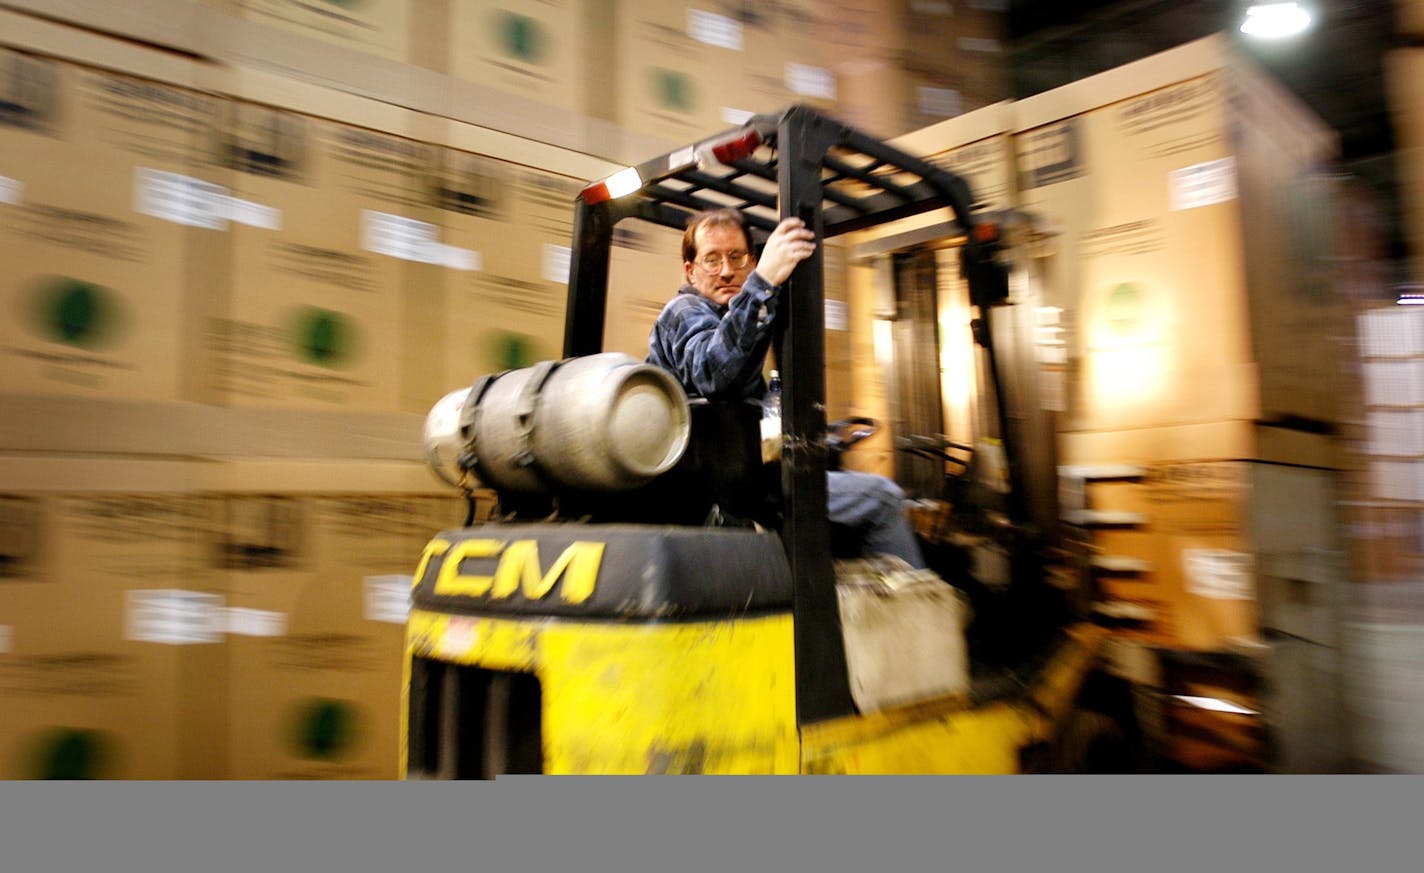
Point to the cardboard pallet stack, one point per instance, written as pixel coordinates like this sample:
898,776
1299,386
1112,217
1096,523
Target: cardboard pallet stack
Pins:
226,316
1192,263
1186,257
1384,501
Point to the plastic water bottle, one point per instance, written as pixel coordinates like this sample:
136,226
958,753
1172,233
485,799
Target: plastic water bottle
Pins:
771,403
771,419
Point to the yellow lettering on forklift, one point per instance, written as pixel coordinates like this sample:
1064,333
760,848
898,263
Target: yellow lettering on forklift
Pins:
452,582
519,567
433,549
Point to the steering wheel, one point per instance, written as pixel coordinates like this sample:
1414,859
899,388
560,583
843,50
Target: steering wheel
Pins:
843,433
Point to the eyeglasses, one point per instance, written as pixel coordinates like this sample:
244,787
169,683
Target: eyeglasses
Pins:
712,261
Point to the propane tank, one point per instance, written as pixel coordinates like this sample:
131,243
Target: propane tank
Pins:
605,422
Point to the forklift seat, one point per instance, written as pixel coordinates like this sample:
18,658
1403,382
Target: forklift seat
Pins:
722,470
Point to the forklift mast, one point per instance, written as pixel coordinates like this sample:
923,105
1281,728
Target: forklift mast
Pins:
797,162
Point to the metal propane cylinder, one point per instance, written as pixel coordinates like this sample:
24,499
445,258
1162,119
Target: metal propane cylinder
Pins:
604,422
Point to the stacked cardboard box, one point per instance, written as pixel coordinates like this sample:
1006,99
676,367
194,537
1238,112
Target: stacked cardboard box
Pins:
114,664
1195,206
903,65
283,253
316,560
1385,498
94,296
1187,264
618,79
197,620
311,314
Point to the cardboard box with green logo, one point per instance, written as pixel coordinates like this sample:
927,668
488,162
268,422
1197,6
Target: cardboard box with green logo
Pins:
113,663
317,558
93,299
323,219
553,52
678,66
511,225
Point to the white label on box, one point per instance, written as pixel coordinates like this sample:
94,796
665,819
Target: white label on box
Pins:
1202,184
1394,433
1393,480
810,81
732,115
179,199
1053,385
254,214
1218,573
7,639
835,315
457,258
1397,332
714,29
400,237
11,190
255,622
557,262
173,617
388,598
939,101
1392,383
980,44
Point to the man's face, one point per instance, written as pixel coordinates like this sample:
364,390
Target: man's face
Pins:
723,245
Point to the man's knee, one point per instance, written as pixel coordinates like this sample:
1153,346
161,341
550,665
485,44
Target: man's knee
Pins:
869,485
858,498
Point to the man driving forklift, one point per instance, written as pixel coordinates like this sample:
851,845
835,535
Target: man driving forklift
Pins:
611,629
714,335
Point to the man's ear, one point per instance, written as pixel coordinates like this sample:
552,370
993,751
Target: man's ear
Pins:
687,272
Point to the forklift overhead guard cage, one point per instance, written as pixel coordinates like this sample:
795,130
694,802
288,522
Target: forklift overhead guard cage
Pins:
797,162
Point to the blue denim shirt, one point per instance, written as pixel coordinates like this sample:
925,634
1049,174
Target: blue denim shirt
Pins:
716,351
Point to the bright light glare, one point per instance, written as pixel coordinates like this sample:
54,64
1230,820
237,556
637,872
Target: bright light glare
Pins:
1215,704
625,181
1275,20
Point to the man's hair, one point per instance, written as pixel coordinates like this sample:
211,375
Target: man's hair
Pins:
725,217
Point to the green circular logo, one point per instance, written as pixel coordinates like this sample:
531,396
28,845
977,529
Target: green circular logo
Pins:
513,350
75,312
522,37
323,337
1125,309
324,729
70,753
673,89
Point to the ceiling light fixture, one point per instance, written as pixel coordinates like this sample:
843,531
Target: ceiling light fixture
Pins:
1275,20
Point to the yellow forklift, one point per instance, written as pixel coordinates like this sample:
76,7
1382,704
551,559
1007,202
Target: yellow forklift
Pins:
649,596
